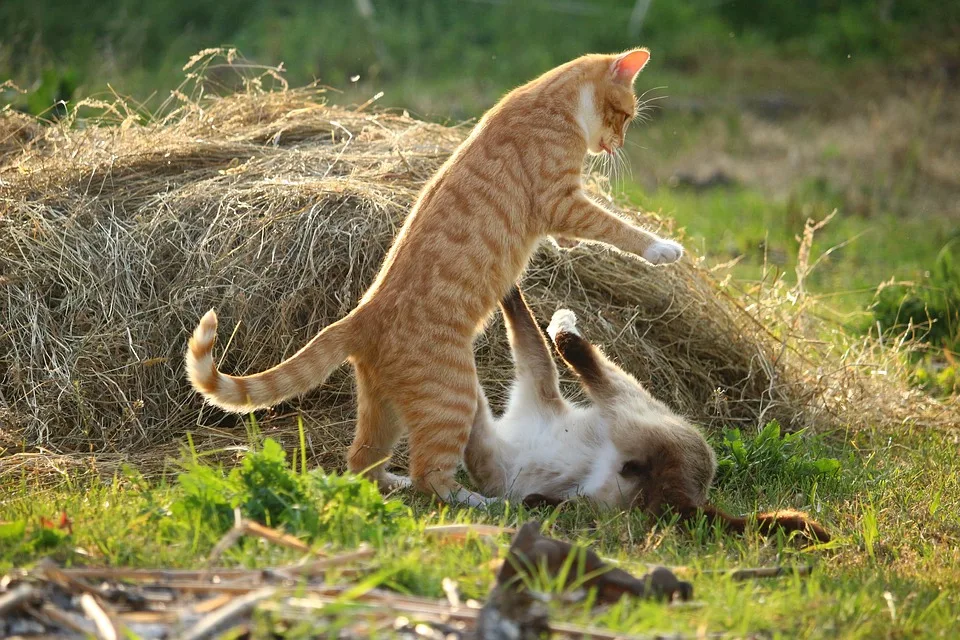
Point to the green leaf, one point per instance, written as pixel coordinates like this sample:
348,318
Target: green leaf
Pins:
13,531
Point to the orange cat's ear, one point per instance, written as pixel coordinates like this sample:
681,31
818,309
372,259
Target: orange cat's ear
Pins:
628,65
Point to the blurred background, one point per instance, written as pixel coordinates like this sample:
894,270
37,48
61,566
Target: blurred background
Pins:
763,113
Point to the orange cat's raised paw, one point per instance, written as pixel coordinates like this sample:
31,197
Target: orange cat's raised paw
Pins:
663,252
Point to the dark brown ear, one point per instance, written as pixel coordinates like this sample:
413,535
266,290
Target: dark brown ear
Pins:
788,521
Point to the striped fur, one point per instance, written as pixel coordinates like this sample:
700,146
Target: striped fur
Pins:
515,180
297,374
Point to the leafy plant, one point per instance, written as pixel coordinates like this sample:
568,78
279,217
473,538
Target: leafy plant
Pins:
769,454
19,541
870,530
268,489
932,306
928,311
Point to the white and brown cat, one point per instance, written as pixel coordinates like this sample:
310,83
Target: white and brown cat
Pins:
624,449
515,180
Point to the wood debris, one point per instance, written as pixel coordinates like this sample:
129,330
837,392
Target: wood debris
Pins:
196,604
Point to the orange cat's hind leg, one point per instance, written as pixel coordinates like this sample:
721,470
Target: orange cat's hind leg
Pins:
438,407
377,433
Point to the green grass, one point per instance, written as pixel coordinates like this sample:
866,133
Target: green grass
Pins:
893,569
762,233
71,50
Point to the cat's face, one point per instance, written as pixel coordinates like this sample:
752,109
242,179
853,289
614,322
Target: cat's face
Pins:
666,462
607,103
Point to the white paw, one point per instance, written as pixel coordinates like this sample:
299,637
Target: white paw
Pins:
393,482
464,496
663,252
563,321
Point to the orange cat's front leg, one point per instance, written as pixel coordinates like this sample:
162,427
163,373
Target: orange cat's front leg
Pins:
581,218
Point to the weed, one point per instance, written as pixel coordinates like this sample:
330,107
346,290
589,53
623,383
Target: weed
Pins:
770,455
268,489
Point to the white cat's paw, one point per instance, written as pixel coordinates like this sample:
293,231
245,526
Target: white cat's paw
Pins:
467,498
392,482
563,321
663,252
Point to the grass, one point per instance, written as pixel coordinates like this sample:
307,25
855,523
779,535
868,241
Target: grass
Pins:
746,225
893,569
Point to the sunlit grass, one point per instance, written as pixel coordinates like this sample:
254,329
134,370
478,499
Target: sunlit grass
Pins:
892,568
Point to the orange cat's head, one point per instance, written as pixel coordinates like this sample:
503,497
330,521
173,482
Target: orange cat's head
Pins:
606,102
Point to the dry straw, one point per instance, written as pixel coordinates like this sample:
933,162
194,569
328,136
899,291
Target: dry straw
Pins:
275,209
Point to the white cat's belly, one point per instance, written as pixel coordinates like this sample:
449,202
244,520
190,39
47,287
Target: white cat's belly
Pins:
557,456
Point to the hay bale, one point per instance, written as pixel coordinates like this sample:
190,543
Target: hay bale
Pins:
276,210
17,131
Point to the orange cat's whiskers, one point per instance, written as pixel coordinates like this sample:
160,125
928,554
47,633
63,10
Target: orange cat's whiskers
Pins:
622,169
640,98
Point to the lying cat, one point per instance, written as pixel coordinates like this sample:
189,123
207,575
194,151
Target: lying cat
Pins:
626,449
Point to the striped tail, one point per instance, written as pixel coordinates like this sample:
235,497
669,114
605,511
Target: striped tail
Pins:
301,372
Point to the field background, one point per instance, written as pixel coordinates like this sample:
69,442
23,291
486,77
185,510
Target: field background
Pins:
766,114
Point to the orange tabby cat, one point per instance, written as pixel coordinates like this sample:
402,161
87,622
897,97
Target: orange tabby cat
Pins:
513,181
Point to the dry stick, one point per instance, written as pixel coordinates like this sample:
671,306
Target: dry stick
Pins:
206,606
12,601
106,629
15,598
215,622
160,576
228,540
443,612
247,527
173,577
231,537
274,536
50,612
56,575
153,616
318,566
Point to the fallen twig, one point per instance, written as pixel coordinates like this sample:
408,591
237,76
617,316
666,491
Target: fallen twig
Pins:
319,566
70,583
218,620
50,611
17,597
106,628
274,536
243,527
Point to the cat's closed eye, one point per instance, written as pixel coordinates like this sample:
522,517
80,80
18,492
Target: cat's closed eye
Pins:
635,468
